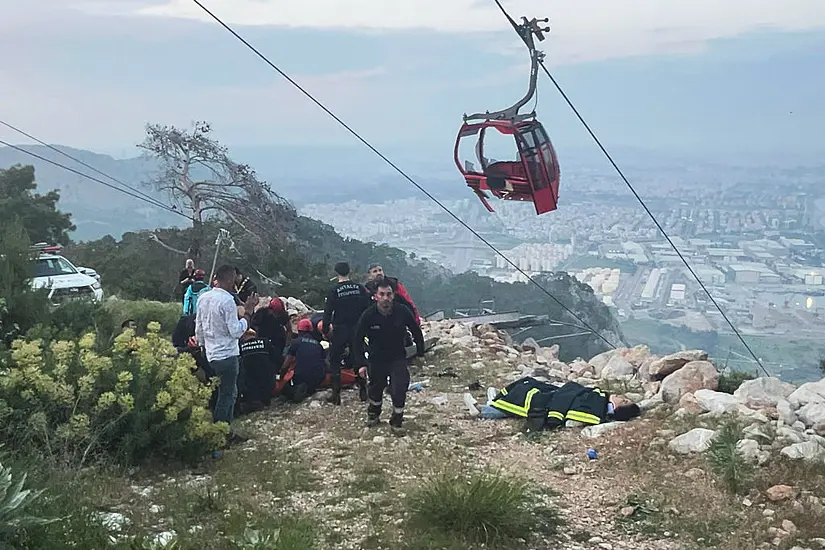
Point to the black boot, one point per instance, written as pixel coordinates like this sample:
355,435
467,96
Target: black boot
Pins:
373,415
396,421
335,398
362,389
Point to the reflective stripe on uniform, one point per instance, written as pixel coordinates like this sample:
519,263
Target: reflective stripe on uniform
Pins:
513,408
587,418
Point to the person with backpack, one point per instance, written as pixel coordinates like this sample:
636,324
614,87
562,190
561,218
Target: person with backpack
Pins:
193,292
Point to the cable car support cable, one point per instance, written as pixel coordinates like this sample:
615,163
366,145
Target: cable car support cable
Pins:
155,201
266,60
635,194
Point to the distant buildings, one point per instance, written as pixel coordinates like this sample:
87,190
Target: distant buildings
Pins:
535,257
752,273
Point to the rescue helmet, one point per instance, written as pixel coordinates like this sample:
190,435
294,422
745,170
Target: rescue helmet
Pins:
304,325
276,305
200,274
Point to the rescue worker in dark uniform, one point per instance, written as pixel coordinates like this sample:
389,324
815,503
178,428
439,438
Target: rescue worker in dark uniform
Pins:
345,303
546,406
183,338
257,372
244,287
317,320
270,323
376,274
385,323
310,368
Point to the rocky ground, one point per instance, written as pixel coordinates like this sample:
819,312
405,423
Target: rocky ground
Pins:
651,486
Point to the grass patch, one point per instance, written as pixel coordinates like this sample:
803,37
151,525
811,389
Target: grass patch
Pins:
369,478
729,381
479,508
689,517
726,461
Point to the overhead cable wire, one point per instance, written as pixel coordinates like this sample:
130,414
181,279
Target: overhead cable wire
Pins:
90,167
92,178
156,204
639,198
137,193
399,170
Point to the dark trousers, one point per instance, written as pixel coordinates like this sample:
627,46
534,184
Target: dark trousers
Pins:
303,384
399,382
341,338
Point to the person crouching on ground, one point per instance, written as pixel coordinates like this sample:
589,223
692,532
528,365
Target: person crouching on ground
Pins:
310,366
385,323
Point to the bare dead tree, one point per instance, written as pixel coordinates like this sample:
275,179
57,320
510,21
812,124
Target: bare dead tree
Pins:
200,178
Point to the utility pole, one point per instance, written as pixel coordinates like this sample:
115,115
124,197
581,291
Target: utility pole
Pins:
223,235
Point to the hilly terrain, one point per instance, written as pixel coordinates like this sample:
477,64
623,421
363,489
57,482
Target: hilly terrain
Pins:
713,462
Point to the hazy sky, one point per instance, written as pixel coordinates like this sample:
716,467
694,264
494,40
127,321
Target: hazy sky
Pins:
738,75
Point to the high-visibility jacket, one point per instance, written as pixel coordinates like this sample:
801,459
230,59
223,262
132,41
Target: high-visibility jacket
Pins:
549,406
517,398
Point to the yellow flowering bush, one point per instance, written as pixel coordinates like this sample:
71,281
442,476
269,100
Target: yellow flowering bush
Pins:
138,399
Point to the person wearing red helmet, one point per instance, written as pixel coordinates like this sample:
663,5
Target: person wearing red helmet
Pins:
193,292
310,363
262,354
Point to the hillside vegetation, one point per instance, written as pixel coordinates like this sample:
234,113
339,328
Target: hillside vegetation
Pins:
702,468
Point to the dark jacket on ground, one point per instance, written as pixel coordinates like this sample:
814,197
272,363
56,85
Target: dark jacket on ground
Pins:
346,301
401,295
386,334
549,406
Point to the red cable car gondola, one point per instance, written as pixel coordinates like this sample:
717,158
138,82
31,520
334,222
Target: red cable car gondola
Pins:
534,177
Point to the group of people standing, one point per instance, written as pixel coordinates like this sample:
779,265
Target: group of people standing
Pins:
368,329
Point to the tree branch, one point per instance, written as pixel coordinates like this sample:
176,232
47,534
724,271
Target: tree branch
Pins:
155,238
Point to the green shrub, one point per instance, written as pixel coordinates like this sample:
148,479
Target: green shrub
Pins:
20,307
72,402
143,312
479,508
73,320
14,500
725,460
729,381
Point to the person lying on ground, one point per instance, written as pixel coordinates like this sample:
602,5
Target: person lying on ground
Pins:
547,406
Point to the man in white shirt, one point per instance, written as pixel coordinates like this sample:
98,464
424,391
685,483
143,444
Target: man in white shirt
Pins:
218,328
